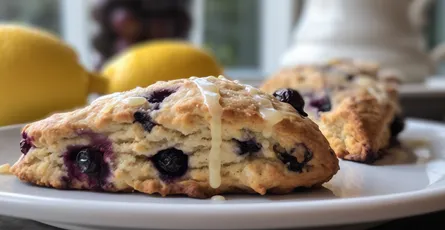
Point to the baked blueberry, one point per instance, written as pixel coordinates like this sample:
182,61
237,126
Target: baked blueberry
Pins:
291,97
397,125
25,144
86,164
248,147
350,77
159,95
171,163
290,160
323,104
145,120
89,161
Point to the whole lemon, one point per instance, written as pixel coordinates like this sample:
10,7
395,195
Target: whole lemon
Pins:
39,74
162,60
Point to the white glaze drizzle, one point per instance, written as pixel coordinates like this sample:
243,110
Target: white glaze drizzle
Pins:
211,95
267,111
373,88
379,96
135,101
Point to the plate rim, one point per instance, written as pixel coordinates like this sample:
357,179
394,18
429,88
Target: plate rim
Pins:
61,210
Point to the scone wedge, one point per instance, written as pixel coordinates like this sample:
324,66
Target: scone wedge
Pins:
199,137
355,104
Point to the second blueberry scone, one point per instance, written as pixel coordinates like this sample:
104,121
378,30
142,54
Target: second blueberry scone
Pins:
355,104
197,136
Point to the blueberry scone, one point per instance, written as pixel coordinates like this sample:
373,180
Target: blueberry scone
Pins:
355,104
197,136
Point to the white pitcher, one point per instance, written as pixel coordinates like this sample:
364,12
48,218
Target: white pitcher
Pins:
387,31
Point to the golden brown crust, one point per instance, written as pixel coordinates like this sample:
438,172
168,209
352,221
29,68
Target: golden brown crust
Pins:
357,126
182,122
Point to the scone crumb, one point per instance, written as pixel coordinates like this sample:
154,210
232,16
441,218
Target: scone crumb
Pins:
218,198
107,108
5,169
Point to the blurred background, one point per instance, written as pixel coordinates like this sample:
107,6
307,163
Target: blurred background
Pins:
248,37
233,30
251,39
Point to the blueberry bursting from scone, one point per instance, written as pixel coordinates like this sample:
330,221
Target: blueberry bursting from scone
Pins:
354,103
199,137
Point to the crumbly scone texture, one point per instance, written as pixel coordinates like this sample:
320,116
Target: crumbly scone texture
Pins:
363,101
179,120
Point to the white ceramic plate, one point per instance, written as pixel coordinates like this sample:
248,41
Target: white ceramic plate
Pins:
397,186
